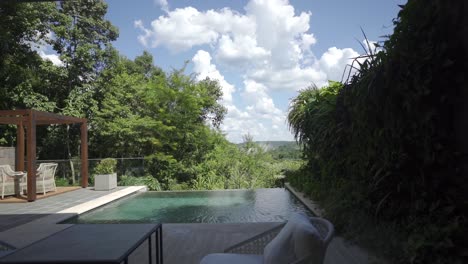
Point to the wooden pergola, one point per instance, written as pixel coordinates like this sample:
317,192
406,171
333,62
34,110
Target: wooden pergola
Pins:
29,119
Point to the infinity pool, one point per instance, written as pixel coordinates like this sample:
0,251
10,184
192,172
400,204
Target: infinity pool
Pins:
227,206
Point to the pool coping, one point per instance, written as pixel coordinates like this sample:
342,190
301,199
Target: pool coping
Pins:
23,235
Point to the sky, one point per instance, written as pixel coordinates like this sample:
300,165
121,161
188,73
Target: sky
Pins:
262,52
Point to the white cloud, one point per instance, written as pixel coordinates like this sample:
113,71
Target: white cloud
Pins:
260,115
54,58
204,68
260,118
45,50
371,46
269,44
259,101
334,61
163,4
143,39
186,27
240,52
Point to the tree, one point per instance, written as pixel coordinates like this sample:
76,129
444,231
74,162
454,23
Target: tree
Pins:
24,76
22,25
169,118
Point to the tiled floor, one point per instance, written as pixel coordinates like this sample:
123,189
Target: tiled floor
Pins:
24,223
15,214
24,198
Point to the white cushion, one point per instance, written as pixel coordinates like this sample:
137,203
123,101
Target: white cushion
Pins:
281,249
298,239
308,242
228,258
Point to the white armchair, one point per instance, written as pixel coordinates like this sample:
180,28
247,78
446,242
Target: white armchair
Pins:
7,180
45,178
302,240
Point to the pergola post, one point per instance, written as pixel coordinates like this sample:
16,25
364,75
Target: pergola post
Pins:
84,154
31,156
20,147
29,119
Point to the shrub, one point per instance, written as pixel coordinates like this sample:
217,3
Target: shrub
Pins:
106,166
149,181
62,182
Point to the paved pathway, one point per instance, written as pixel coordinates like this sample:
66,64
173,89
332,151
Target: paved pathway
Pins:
14,214
23,223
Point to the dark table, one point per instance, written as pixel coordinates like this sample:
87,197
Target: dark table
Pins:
91,243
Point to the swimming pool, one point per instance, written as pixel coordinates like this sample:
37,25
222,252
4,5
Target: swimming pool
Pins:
226,206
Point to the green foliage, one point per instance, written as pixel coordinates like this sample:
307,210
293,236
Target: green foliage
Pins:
106,166
146,112
288,152
23,74
149,181
62,182
173,185
231,167
80,36
381,151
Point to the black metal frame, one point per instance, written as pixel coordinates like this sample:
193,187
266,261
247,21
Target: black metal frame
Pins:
158,246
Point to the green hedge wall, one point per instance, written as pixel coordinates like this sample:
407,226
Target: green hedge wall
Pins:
382,150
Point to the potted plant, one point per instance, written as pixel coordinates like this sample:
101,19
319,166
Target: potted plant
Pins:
105,177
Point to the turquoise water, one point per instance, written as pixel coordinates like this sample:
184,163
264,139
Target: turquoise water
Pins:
228,206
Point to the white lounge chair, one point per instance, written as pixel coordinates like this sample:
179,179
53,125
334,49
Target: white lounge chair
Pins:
45,178
302,240
7,180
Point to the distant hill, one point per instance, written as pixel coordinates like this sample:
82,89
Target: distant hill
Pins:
281,150
272,145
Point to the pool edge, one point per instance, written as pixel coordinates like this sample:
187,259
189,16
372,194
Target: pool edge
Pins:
25,234
311,205
101,201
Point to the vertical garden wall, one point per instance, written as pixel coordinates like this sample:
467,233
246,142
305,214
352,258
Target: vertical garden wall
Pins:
387,151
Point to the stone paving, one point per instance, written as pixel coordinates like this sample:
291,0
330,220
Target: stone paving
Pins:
15,214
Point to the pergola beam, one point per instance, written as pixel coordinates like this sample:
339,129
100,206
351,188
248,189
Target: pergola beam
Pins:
42,118
29,119
12,120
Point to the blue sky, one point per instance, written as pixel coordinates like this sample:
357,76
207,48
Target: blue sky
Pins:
261,51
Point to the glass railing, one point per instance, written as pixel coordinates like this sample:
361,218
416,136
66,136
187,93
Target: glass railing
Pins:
69,171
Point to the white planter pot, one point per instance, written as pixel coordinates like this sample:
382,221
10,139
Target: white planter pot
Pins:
105,182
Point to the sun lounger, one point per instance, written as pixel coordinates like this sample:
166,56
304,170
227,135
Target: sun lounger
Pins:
302,240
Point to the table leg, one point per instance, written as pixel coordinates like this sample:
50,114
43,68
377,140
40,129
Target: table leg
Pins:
149,249
160,244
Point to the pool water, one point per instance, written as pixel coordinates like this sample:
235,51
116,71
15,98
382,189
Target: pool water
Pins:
227,206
